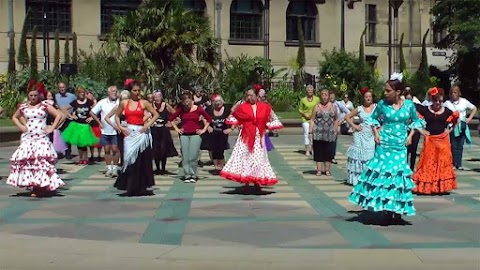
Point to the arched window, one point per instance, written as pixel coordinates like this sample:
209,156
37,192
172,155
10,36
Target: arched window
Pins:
58,15
306,12
112,8
197,6
246,20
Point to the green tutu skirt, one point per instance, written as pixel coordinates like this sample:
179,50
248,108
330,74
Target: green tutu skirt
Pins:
80,135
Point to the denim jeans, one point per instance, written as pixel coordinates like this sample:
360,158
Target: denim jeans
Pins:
457,145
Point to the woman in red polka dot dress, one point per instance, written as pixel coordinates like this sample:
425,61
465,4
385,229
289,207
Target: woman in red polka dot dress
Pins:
33,161
249,163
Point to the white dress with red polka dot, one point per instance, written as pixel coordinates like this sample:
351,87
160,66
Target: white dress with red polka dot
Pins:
32,164
254,167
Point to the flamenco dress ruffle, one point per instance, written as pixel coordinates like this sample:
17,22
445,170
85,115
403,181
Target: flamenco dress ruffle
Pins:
79,134
386,184
434,173
32,165
358,157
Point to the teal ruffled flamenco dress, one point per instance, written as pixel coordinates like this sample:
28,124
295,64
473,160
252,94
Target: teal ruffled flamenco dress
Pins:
386,184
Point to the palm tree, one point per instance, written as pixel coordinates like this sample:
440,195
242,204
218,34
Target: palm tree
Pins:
160,37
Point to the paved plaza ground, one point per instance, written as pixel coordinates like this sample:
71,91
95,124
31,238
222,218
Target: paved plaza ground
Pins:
304,222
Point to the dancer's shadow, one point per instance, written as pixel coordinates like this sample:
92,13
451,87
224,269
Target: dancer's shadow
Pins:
375,218
61,171
300,152
313,172
44,195
242,190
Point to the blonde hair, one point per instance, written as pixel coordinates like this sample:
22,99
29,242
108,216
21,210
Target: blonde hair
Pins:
125,94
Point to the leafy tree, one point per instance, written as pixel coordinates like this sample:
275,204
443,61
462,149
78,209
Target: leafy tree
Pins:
23,50
56,53
343,68
33,56
159,35
461,21
74,49
66,51
401,56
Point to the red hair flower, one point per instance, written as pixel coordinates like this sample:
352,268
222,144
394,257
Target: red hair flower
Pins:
364,90
128,82
433,91
42,91
257,87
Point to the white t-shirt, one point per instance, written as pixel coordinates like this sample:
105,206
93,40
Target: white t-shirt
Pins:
461,105
104,107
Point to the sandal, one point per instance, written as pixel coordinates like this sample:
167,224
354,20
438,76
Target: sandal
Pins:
319,173
328,173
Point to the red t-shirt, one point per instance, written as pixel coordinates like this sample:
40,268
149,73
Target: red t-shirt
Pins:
190,120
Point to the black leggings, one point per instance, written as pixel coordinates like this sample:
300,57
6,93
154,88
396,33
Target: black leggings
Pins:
412,149
164,163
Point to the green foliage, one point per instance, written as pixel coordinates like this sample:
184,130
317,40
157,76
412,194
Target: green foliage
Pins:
9,100
240,73
461,21
283,97
102,67
56,53
66,51
341,72
98,89
159,35
420,81
33,56
23,50
403,64
74,49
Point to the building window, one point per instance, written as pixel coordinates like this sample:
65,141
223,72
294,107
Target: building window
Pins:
371,21
306,13
197,6
246,20
111,8
58,15
439,35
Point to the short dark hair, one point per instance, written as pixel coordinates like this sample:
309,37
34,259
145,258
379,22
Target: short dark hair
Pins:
397,85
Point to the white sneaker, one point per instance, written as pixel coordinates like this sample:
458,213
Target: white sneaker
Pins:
108,173
115,172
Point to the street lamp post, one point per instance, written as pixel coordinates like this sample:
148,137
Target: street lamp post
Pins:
395,5
218,28
45,36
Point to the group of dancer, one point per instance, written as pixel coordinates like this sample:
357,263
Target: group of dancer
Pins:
139,130
377,164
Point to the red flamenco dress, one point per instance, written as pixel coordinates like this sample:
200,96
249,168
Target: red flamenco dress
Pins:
249,162
434,173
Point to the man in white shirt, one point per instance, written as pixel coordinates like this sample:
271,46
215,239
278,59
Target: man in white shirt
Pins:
109,134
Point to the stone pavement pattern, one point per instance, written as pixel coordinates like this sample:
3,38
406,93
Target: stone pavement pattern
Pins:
303,220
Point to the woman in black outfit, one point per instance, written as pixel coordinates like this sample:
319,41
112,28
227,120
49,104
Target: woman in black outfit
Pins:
216,139
163,146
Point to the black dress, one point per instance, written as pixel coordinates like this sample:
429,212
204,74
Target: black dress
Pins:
163,146
217,141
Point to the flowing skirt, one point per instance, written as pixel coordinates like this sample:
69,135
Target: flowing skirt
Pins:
386,184
359,153
248,167
268,143
434,174
98,133
58,143
79,134
137,170
163,146
33,164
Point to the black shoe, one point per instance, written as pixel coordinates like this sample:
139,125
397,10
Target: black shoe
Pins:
68,154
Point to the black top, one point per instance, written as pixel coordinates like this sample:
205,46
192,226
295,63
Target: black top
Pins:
82,111
218,122
163,117
436,123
